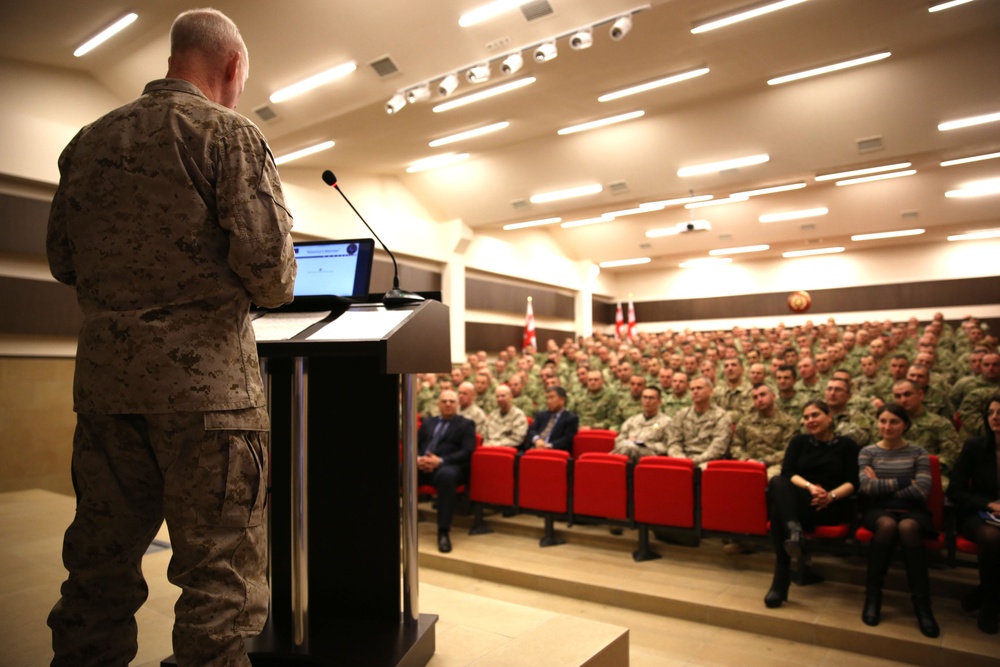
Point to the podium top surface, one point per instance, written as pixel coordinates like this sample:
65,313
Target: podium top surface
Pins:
413,339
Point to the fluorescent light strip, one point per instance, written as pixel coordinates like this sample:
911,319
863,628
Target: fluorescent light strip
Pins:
315,81
435,162
658,83
663,203
794,215
581,191
469,134
601,123
982,188
714,167
304,152
971,158
705,262
742,15
484,94
739,251
976,236
809,253
947,5
969,122
887,235
829,68
641,208
625,262
488,11
531,223
862,172
587,221
106,34
715,202
768,191
876,177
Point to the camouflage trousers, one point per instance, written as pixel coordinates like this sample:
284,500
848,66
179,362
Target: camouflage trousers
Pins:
206,475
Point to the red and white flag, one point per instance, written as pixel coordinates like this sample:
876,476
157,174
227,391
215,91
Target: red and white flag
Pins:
619,322
529,330
631,320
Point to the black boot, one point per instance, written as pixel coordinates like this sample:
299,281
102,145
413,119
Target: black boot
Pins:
917,577
779,584
879,555
793,543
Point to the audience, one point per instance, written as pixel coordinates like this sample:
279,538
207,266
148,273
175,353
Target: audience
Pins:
506,425
644,434
555,427
701,432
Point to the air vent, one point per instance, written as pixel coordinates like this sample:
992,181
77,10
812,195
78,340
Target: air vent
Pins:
807,227
725,237
520,204
265,113
618,187
870,144
537,9
909,215
384,66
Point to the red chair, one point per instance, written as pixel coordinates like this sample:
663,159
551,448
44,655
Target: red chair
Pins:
935,503
543,488
600,486
733,497
663,494
492,482
593,440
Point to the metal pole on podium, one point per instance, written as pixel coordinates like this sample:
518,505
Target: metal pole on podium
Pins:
411,606
300,502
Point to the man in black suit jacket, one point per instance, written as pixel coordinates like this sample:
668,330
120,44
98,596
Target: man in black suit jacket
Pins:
444,450
564,428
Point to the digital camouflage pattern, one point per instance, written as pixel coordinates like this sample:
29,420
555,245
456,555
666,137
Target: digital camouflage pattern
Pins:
760,438
936,435
641,436
701,438
505,430
598,410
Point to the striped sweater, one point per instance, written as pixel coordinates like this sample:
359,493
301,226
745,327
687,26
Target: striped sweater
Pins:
904,476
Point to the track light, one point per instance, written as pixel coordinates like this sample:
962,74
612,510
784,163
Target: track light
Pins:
418,94
546,52
581,39
478,74
395,104
512,63
621,27
448,85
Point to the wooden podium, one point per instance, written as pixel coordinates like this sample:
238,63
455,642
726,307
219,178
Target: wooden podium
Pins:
343,554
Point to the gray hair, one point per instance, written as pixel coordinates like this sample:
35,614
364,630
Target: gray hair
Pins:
207,30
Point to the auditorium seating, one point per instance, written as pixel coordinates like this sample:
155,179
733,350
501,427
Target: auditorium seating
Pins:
600,487
935,503
663,494
593,440
733,498
543,488
492,482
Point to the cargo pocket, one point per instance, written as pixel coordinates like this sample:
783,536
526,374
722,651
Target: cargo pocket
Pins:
241,436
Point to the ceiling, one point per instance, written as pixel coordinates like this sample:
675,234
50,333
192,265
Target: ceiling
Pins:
943,66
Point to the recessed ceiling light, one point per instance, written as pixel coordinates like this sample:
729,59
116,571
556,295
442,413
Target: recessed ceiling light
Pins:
624,262
716,202
887,235
304,152
313,82
862,172
715,167
587,221
876,177
748,12
484,94
601,123
826,69
581,191
738,251
794,215
809,253
769,191
969,122
106,34
531,223
971,158
976,236
469,134
705,262
651,85
488,11
436,161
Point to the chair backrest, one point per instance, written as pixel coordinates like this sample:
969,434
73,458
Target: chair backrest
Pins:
543,480
600,485
491,477
479,440
663,491
597,440
733,497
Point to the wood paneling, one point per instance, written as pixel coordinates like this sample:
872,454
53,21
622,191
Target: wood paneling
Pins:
495,337
23,222
36,307
411,278
483,294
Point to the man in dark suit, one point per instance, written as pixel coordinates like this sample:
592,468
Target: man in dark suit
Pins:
444,450
555,427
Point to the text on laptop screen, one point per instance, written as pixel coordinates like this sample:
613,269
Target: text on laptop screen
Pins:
333,268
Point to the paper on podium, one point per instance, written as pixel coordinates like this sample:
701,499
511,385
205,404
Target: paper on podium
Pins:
282,326
366,323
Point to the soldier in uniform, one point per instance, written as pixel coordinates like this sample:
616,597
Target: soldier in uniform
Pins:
484,392
972,379
598,408
935,399
170,220
644,434
931,431
808,385
427,395
733,394
678,396
631,403
977,400
764,432
520,399
506,425
854,424
701,432
467,406
787,399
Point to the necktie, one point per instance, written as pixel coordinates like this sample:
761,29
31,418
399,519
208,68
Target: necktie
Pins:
439,431
547,431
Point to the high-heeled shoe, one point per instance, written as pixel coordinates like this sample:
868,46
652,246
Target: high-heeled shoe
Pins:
775,597
925,617
872,612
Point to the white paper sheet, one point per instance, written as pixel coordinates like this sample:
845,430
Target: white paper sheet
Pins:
367,323
282,326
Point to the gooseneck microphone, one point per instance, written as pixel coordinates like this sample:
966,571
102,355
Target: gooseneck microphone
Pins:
395,297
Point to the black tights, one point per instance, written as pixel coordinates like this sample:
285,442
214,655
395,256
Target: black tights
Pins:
887,529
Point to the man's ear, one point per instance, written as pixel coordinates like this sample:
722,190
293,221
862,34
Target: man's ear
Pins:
233,66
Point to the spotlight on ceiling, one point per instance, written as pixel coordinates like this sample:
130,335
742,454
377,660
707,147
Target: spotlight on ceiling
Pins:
448,85
581,39
512,63
621,27
546,52
418,94
395,104
478,74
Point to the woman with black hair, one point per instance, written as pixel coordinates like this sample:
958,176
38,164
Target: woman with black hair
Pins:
974,492
896,480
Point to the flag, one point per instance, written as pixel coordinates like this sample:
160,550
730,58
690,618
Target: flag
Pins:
619,322
631,320
529,330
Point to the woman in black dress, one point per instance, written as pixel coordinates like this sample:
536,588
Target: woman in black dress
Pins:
819,471
974,489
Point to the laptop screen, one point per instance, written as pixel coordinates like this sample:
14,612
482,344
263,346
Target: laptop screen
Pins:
334,269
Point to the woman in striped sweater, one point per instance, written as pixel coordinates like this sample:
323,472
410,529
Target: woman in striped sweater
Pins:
895,478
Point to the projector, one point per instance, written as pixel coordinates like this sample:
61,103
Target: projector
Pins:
694,226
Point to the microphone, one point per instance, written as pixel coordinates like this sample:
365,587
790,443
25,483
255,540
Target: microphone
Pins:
395,297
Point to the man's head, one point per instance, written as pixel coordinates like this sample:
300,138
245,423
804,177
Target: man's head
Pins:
679,384
636,384
784,377
920,375
595,381
878,348
691,365
555,399
448,403
807,369
516,383
756,374
466,394
701,392
990,366
482,383
822,360
733,370
838,393
206,48
869,367
909,395
624,371
505,398
763,399
898,366
651,399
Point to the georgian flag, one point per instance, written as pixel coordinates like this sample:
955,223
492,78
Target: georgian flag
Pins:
619,322
529,330
631,320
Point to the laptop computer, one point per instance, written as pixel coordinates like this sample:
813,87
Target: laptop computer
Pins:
331,274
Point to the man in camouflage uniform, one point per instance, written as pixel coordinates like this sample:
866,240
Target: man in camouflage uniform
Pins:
598,408
701,432
467,406
764,432
506,425
808,386
169,220
733,394
484,392
520,399
631,403
787,399
644,434
427,395
935,398
933,432
970,380
853,424
676,396
977,400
